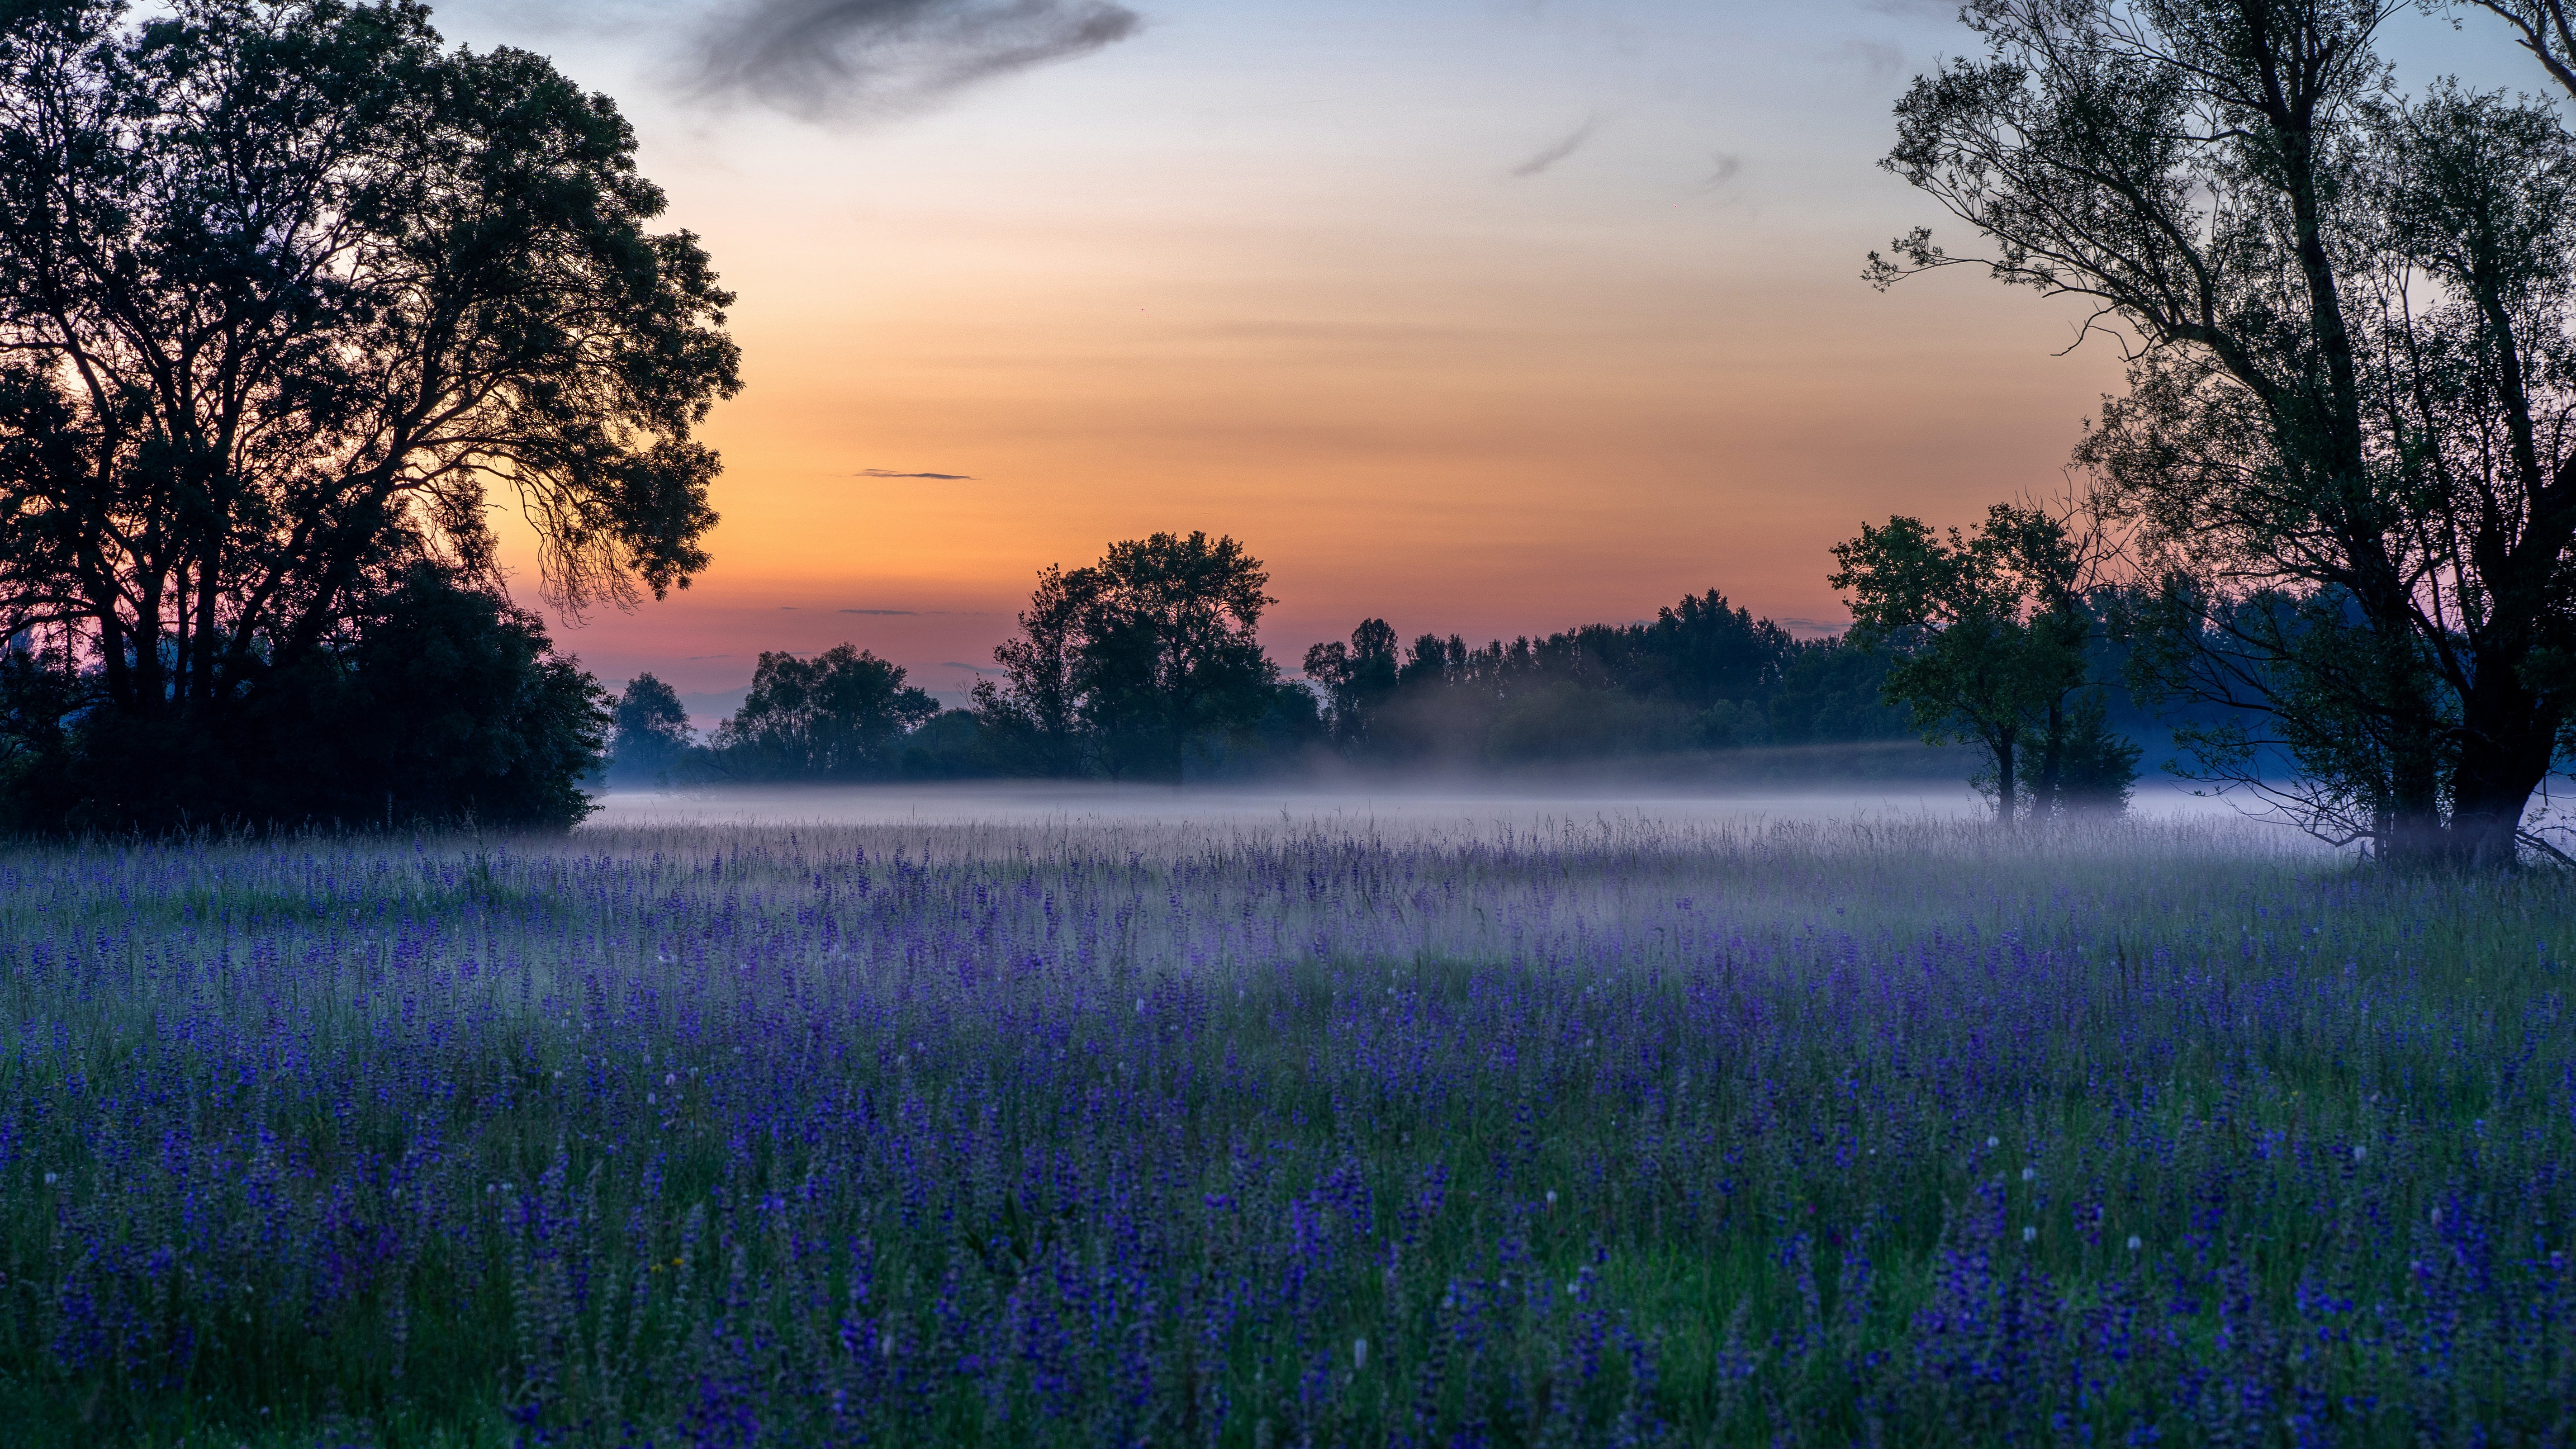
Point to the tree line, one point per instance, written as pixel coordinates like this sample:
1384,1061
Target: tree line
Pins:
1146,666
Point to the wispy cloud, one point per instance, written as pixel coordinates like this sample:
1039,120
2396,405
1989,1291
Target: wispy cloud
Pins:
890,473
1724,166
1558,149
962,664
900,613
841,57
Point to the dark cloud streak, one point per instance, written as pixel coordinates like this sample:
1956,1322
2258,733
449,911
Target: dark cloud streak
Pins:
1558,150
890,473
837,57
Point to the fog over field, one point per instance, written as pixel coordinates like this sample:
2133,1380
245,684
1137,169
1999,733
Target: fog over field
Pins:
1449,806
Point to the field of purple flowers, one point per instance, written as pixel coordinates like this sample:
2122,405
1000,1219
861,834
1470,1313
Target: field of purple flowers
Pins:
1096,1134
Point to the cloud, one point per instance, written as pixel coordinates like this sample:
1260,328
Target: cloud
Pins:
962,664
1724,166
904,613
1558,150
827,57
889,473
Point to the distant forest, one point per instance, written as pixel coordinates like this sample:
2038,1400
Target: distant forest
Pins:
1702,687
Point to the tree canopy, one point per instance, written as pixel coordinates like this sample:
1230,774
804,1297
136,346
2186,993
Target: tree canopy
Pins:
1989,632
1130,664
286,289
2344,455
652,733
840,715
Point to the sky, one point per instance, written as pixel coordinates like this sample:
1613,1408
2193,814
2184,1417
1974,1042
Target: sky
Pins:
1485,317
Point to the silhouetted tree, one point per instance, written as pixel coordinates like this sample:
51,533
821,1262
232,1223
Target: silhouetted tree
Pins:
1030,721
652,733
840,715
1558,720
1170,650
1701,674
948,746
1130,664
1988,633
2342,448
283,287
1710,653
436,701
1356,678
2097,765
1834,692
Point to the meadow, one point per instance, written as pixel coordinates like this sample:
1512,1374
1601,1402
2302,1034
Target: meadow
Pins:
1608,1131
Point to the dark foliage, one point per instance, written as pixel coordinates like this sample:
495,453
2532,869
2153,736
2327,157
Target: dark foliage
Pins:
1136,665
1031,719
1169,657
1832,692
2348,308
652,737
442,703
948,746
1356,679
1700,676
283,289
841,715
1988,634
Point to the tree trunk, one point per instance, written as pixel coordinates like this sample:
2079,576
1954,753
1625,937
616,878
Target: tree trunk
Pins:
2416,833
2006,786
2052,762
2507,739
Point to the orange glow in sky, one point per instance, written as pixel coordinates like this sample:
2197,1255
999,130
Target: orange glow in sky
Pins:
1483,316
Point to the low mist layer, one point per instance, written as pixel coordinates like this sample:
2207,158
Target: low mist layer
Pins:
1452,806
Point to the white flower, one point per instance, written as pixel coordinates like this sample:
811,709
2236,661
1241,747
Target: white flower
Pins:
2359,1152
1359,1353
51,1178
2029,1234
1551,1197
648,1100
1994,1142
2133,1242
2030,1174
